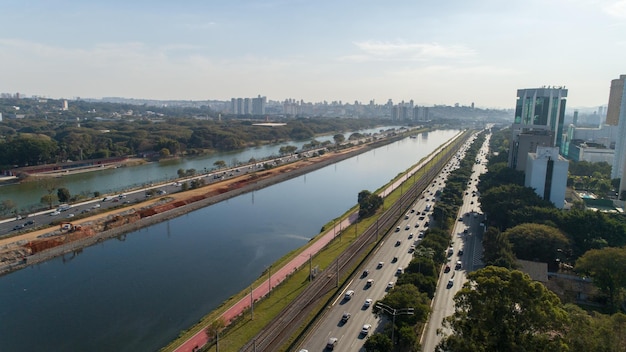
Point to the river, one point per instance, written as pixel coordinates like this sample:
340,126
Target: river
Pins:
139,292
27,195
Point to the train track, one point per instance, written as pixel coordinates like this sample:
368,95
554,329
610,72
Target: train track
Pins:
277,333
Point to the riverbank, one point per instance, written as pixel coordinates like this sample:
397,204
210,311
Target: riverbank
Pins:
260,180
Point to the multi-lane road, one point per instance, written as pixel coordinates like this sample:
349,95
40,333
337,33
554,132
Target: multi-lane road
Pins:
383,267
389,259
466,254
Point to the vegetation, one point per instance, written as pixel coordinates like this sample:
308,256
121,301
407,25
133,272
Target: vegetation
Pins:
503,310
607,267
39,139
369,203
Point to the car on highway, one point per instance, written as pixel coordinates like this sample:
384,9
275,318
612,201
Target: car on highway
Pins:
29,222
446,269
345,317
365,273
367,303
411,235
55,213
95,206
398,242
380,265
18,227
332,342
458,265
349,294
369,283
390,285
394,259
399,271
407,227
366,329
450,283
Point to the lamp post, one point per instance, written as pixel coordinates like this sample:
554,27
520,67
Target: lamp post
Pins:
394,312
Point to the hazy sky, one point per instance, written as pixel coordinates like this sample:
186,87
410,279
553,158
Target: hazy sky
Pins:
434,52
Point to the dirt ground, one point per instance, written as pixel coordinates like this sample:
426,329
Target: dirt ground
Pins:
283,171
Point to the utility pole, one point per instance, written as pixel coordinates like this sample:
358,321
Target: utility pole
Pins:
394,312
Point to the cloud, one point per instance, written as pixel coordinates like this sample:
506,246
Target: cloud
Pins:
401,51
616,9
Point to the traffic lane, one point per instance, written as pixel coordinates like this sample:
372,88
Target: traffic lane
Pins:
349,334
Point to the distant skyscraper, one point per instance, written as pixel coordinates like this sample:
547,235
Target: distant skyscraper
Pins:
539,113
65,105
258,105
616,114
615,101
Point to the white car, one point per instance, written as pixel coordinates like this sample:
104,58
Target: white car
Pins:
368,302
55,213
390,285
95,206
366,329
349,294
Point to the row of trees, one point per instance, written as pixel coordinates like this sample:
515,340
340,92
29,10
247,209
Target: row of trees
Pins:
35,140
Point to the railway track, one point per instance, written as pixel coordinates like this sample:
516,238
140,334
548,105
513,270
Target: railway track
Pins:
278,332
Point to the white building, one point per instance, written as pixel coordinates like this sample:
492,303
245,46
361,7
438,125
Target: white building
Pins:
546,173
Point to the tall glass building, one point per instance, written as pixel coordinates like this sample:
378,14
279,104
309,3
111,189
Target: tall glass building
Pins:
539,119
542,108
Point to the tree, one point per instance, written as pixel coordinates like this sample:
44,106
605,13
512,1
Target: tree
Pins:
214,329
497,249
220,164
368,203
7,206
378,343
339,138
607,267
48,199
287,149
537,242
595,332
504,310
500,202
49,184
63,194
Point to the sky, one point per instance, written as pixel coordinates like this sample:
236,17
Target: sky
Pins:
433,52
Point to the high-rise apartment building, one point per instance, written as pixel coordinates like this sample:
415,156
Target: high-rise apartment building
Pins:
615,101
616,115
539,113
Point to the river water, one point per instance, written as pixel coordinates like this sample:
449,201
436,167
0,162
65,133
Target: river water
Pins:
137,293
27,195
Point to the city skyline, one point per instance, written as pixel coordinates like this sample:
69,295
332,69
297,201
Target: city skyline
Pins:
458,52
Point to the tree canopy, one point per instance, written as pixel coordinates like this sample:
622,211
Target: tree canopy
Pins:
504,310
607,267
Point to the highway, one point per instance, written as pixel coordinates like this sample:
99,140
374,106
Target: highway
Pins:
391,255
467,232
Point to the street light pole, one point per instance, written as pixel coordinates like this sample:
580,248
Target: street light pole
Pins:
394,312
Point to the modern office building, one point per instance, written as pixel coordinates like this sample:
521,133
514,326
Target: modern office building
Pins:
539,112
546,173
